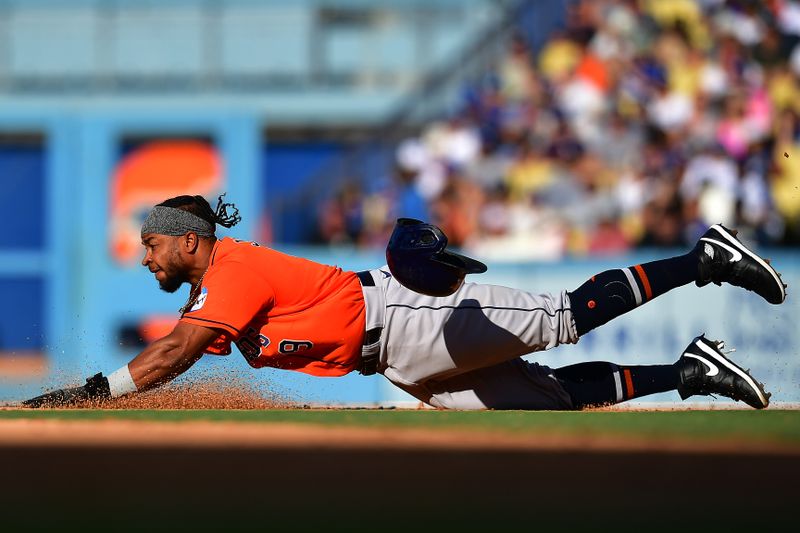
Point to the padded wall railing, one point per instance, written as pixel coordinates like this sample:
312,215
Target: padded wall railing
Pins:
129,46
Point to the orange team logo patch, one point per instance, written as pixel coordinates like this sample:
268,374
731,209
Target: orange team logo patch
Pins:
150,174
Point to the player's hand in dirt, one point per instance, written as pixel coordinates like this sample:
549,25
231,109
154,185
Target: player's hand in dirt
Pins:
96,388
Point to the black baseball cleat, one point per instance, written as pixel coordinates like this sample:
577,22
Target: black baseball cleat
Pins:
705,370
723,258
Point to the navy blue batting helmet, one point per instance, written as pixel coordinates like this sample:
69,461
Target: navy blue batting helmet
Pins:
418,259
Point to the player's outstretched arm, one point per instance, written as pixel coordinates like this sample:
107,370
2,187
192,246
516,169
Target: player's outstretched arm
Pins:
170,356
162,361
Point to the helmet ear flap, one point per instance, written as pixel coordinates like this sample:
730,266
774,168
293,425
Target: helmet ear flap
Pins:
418,258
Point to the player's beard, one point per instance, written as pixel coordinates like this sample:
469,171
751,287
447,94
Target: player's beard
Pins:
174,276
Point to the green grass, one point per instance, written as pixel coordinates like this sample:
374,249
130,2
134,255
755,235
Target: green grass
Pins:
769,425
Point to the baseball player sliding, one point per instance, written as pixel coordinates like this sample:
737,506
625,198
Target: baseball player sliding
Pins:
451,344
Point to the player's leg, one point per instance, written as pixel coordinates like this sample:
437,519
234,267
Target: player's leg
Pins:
612,293
702,369
478,326
514,384
599,383
718,257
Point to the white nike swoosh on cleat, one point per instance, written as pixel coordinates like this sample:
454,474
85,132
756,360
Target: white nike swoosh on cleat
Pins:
737,255
712,368
721,359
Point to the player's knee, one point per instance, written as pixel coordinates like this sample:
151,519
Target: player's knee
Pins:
602,298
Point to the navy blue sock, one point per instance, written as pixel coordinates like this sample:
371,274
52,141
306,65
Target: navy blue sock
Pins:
614,292
600,383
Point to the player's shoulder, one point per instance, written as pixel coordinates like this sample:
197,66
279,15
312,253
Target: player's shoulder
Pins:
232,243
230,249
266,261
233,264
233,253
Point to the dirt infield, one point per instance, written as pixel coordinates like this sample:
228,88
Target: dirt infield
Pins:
116,434
123,474
355,490
200,393
86,475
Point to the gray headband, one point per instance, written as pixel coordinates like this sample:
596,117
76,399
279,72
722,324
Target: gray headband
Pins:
164,220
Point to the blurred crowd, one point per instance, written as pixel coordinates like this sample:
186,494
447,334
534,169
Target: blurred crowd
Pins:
640,124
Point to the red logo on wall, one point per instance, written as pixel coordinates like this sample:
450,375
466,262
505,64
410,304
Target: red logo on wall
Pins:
149,175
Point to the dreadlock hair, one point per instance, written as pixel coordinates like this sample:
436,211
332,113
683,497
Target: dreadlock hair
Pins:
199,206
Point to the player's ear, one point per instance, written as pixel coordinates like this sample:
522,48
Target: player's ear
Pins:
190,242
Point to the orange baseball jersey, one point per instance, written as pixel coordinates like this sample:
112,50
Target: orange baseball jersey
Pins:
281,311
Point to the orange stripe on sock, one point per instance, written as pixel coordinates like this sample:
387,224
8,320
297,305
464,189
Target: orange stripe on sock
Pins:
628,382
646,282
